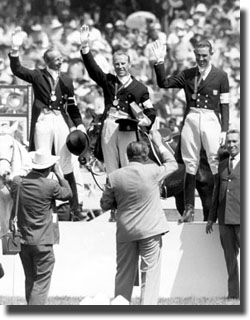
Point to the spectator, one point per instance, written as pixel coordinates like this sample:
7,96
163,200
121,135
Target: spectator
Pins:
141,222
226,208
181,52
172,125
34,215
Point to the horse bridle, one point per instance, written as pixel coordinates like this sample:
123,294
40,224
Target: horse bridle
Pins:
89,166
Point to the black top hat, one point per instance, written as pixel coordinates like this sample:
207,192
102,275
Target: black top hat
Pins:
77,142
127,124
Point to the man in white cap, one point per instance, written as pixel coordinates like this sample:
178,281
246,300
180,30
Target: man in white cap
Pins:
37,195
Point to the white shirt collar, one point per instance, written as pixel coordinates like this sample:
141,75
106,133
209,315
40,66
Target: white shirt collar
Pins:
236,158
53,73
125,80
206,71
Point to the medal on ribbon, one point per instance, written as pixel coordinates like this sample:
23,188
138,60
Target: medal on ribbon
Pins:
196,85
116,99
53,97
53,85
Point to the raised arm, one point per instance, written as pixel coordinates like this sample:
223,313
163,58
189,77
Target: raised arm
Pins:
163,81
94,71
18,70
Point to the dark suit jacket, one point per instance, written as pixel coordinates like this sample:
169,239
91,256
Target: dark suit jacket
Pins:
39,78
37,196
226,201
209,90
135,91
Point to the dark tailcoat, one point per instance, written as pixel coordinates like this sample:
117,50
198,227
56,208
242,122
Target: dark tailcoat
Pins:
134,92
41,83
208,92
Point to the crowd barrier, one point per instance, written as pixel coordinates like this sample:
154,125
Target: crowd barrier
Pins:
193,262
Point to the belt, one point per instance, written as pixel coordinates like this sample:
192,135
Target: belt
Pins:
48,110
196,109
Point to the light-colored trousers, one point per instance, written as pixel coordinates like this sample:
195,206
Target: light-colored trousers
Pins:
201,128
51,129
127,258
114,145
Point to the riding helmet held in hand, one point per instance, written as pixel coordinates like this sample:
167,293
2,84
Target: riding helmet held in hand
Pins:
77,142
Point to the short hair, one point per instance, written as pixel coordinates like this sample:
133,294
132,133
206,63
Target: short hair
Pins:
233,131
204,44
137,151
47,52
121,53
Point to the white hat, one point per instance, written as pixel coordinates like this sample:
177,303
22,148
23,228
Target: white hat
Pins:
201,7
55,23
36,27
42,159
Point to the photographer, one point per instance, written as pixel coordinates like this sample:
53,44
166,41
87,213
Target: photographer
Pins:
34,219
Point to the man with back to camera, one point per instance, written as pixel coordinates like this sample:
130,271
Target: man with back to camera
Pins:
226,208
37,195
50,121
134,190
206,117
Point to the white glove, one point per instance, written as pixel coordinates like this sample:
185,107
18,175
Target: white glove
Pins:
159,50
17,38
84,35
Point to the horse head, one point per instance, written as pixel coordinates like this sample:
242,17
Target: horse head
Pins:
6,151
14,158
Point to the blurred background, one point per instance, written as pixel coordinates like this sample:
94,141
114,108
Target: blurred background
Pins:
129,25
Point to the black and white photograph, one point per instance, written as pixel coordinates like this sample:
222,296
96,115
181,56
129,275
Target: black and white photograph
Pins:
120,129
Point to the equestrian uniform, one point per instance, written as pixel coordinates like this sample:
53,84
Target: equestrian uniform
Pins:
114,142
206,114
48,127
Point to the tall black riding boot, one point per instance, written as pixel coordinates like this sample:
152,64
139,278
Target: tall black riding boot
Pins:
76,211
189,190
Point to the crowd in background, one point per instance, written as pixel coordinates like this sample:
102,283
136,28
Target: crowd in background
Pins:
218,21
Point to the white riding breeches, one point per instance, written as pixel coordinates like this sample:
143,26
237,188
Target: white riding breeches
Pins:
114,144
51,130
201,128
